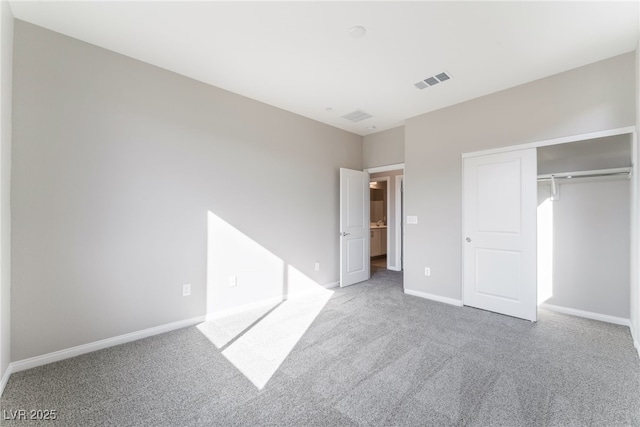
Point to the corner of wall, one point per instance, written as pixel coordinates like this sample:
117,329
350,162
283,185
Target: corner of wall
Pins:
383,148
635,250
6,81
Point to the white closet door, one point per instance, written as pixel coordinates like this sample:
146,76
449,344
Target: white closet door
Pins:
500,198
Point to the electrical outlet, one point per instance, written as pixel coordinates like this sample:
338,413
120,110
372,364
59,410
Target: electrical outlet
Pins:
233,281
317,266
186,290
427,271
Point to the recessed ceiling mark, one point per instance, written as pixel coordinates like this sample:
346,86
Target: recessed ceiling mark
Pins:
433,80
357,116
357,31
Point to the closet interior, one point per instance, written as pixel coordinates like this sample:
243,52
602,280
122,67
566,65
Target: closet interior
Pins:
584,226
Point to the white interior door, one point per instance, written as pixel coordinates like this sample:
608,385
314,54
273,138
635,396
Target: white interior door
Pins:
354,227
500,199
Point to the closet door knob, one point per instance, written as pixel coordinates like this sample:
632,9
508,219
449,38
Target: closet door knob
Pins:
468,239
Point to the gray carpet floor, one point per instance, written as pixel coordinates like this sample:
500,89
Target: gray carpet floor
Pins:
373,357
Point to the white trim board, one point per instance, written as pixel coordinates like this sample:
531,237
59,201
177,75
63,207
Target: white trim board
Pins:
634,336
331,285
398,182
387,168
265,302
245,307
555,141
5,379
437,298
587,314
56,356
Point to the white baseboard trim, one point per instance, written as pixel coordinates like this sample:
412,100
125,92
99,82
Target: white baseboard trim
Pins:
438,298
56,356
5,379
636,339
393,268
587,314
244,307
267,302
331,285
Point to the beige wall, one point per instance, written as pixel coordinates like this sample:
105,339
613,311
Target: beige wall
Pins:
383,148
6,72
579,101
121,169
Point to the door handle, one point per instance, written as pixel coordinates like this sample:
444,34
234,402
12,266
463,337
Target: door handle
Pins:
468,239
344,234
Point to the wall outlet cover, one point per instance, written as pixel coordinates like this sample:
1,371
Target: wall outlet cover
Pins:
186,290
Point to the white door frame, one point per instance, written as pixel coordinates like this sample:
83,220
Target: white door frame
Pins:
399,222
398,238
635,208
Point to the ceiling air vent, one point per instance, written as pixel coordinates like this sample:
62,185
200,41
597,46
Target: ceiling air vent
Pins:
357,116
433,80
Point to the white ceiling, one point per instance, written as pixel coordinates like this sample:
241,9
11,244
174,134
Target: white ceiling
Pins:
300,57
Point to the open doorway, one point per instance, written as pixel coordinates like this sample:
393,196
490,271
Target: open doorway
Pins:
386,220
378,201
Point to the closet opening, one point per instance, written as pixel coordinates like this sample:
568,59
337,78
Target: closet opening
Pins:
584,227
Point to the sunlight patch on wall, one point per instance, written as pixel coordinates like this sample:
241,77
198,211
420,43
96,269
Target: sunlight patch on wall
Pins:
235,258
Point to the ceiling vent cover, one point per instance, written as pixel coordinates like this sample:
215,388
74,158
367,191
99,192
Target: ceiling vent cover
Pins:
357,116
433,80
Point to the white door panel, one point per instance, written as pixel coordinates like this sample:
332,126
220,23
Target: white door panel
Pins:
500,199
496,270
496,191
355,254
354,227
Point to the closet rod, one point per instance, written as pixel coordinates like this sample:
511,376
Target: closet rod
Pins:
585,174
